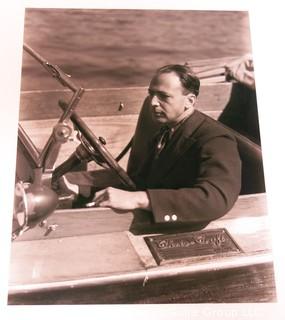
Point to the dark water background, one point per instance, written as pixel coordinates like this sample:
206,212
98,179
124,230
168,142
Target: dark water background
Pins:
118,48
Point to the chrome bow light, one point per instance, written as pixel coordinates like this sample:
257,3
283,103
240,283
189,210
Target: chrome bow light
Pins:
34,202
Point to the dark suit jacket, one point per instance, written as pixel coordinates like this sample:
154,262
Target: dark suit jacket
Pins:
197,177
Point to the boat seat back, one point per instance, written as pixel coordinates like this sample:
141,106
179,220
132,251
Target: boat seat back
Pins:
250,153
252,165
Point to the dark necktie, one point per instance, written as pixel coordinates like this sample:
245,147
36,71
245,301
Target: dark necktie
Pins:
162,140
156,146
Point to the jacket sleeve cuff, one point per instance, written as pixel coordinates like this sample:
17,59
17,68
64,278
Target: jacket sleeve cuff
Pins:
162,211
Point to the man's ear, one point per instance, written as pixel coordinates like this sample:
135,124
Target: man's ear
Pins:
191,99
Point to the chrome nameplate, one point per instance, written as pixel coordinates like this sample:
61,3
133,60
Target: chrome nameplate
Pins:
191,244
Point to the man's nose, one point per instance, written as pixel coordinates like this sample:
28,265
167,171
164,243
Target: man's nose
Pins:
154,101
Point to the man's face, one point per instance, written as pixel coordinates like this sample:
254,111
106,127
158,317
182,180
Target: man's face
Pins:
167,98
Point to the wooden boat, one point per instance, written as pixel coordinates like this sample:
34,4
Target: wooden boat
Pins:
95,255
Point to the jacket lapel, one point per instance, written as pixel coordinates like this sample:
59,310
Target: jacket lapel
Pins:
181,141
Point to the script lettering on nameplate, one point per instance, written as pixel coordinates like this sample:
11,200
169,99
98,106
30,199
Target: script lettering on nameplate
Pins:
192,244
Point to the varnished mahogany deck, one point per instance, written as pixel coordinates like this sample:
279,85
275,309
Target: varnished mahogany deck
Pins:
93,257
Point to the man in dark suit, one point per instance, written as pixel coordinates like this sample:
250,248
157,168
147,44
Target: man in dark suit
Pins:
187,172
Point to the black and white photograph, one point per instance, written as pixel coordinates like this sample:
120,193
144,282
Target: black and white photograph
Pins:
139,167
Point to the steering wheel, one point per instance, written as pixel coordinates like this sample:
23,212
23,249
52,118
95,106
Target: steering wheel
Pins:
91,148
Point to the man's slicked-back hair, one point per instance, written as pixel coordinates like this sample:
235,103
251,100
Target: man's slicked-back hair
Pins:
190,82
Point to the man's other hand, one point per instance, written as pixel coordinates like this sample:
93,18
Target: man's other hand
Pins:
118,199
